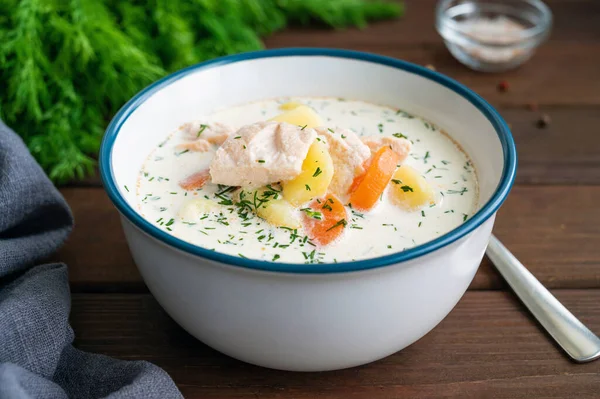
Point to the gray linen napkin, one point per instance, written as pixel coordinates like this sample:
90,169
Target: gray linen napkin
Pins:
37,359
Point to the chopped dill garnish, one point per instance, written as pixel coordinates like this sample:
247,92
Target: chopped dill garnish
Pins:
461,192
312,214
406,188
341,222
202,129
360,215
317,172
307,187
225,191
224,200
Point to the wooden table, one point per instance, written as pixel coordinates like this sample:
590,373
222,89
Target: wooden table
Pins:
488,346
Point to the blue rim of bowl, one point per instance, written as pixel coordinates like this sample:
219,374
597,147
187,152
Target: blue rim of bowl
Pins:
500,126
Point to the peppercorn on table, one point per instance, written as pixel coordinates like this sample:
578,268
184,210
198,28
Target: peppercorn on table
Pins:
488,346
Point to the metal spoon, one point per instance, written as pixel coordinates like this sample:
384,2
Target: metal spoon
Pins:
577,340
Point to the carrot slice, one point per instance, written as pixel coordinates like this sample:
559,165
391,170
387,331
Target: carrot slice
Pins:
356,182
195,181
324,220
358,179
376,178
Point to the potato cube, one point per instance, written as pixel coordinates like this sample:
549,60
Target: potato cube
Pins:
280,213
313,181
301,115
270,206
290,105
409,190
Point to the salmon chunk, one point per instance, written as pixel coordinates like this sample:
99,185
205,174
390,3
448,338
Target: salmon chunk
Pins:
400,146
202,135
261,154
348,153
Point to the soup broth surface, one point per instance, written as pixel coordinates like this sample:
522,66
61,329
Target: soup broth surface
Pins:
383,230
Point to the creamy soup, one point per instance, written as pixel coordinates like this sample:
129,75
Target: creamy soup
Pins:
429,190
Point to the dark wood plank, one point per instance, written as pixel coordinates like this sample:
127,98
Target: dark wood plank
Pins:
565,152
563,71
553,230
488,347
574,21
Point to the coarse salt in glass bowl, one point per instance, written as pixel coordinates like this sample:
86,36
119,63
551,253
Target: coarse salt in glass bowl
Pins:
493,36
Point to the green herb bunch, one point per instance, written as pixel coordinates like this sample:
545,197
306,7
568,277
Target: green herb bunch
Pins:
66,66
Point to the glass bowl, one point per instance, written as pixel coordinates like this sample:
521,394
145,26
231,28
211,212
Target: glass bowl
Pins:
493,36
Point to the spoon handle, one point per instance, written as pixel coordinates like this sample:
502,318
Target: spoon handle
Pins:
576,339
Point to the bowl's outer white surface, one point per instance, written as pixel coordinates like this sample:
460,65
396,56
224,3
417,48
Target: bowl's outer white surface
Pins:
307,322
295,321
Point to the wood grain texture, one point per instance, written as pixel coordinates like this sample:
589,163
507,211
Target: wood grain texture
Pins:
488,347
574,46
567,151
560,247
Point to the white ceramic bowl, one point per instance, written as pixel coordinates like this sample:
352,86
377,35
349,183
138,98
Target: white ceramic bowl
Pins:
296,316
